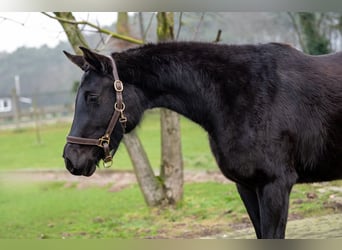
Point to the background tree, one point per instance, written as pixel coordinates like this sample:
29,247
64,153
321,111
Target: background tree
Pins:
171,171
151,186
311,35
74,34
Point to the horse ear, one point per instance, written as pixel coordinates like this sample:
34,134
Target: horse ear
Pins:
78,60
97,61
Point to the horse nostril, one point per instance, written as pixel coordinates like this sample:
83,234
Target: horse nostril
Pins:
69,164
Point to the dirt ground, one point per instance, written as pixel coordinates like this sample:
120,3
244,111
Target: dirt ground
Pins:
322,227
117,180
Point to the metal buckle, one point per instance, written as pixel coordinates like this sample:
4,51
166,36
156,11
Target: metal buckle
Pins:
118,86
104,139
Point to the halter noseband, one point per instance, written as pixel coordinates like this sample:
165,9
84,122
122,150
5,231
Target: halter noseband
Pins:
118,115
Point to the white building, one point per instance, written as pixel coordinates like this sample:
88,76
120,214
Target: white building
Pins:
5,104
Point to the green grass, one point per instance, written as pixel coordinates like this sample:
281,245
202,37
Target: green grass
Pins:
55,210
313,199
51,210
20,150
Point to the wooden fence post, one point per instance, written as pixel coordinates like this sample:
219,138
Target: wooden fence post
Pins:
36,119
16,108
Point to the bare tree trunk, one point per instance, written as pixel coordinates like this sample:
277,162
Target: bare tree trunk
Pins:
152,188
171,171
122,25
150,185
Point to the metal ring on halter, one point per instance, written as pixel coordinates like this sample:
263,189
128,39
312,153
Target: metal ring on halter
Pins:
107,164
119,109
107,161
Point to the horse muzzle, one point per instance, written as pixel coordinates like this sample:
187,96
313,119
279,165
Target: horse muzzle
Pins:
77,160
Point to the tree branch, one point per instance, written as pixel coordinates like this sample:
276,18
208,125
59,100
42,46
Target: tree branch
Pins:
198,26
3,19
297,30
218,36
179,25
148,26
99,29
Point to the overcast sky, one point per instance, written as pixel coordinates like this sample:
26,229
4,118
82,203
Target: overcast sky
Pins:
33,29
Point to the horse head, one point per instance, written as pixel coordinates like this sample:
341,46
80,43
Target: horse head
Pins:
99,107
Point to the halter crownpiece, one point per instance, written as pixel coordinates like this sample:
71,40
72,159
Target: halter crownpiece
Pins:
118,115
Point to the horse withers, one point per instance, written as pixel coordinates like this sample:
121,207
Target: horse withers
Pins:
273,114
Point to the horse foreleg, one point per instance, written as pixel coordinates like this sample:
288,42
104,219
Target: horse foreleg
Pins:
250,199
273,203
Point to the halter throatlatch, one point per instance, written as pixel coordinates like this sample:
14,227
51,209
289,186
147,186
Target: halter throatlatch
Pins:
118,115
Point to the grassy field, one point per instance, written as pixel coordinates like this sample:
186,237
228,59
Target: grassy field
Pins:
95,213
20,150
56,211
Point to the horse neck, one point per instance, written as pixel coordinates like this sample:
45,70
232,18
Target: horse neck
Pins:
176,77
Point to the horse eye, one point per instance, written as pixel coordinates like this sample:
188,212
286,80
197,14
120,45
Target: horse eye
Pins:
92,99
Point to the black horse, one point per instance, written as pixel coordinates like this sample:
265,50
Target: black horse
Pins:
272,113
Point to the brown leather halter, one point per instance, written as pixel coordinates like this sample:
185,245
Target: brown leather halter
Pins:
118,115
